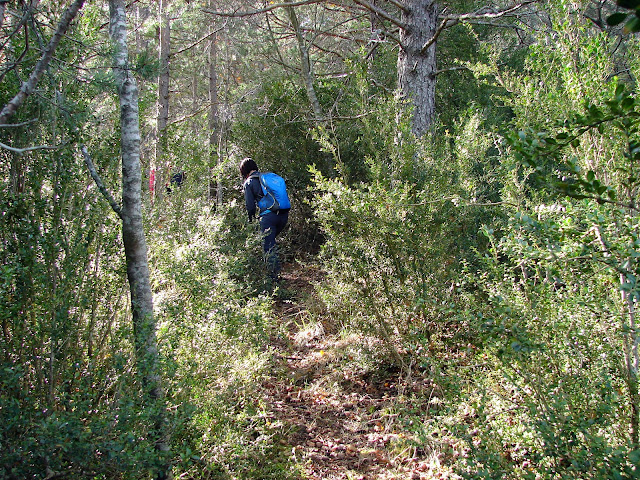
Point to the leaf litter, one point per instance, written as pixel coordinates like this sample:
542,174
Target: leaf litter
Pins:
338,420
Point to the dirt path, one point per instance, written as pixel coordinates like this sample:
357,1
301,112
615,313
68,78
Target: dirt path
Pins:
340,424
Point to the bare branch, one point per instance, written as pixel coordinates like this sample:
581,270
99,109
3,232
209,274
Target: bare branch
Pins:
197,42
483,13
488,12
29,86
270,8
96,178
27,149
401,6
432,40
15,125
381,13
22,55
16,29
191,115
451,69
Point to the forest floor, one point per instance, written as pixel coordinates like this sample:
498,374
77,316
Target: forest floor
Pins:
340,421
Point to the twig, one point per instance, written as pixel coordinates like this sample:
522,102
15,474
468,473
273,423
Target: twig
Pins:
96,178
467,203
27,149
270,8
451,69
381,13
401,6
197,42
15,125
451,20
29,86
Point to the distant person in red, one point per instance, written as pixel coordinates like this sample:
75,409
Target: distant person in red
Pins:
271,222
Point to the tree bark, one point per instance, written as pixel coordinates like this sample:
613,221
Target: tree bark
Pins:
630,342
3,4
29,86
417,68
161,167
135,246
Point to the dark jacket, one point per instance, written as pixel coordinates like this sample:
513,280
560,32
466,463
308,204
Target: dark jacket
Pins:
252,194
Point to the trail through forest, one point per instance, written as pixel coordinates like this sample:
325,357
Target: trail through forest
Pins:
339,422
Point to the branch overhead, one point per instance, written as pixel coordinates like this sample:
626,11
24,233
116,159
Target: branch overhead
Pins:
381,13
483,13
98,180
237,13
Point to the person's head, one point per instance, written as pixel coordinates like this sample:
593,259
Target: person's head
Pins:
247,165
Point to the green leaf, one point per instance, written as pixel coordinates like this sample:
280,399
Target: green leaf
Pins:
616,19
628,103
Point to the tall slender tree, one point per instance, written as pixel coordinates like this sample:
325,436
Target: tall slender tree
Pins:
133,236
215,134
305,63
162,119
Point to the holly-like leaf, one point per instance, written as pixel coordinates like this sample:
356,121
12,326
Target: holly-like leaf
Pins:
628,103
616,19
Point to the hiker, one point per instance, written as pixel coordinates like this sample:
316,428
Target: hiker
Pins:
176,180
272,216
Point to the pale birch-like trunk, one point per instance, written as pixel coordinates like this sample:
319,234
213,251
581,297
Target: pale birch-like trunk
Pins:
305,63
135,245
630,342
417,67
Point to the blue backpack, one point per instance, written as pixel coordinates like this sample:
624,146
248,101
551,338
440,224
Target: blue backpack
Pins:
275,193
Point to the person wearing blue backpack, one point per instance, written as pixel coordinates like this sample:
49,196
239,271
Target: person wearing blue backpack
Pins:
266,198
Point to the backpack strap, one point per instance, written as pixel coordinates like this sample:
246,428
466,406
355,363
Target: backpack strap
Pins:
252,175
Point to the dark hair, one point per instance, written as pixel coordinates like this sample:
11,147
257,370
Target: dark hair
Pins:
247,165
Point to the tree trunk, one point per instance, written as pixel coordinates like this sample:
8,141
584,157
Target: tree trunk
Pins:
135,245
417,68
215,134
3,4
305,61
29,86
161,167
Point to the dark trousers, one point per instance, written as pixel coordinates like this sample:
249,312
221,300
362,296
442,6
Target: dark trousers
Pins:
271,225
